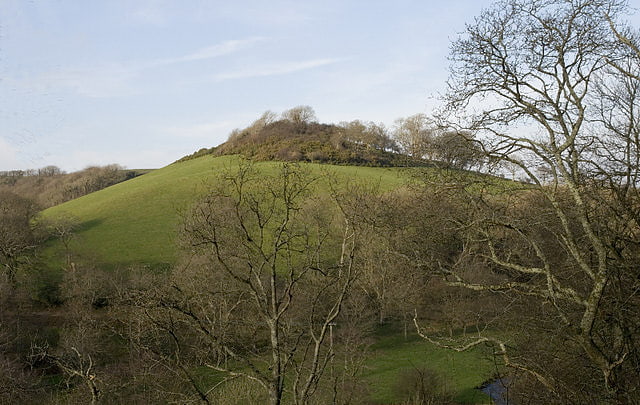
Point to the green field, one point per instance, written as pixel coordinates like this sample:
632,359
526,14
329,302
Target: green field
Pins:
136,222
392,355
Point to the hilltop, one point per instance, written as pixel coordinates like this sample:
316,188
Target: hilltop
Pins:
295,137
136,221
133,229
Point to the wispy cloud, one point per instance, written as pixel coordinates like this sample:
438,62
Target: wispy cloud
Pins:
118,79
281,68
210,52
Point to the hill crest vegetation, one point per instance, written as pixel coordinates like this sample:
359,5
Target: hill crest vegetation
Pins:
50,186
297,136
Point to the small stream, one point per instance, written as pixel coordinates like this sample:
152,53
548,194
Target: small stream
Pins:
498,391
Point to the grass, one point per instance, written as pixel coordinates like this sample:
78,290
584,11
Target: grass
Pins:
392,354
137,221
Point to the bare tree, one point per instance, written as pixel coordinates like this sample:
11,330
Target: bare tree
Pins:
16,235
368,133
278,267
300,115
74,365
455,149
526,75
413,134
63,228
49,171
268,117
388,276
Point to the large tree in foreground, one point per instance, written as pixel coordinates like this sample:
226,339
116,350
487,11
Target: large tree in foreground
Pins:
551,85
273,266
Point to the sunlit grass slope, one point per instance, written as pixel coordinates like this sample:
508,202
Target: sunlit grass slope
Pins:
136,222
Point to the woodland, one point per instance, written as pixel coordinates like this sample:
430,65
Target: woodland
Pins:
497,240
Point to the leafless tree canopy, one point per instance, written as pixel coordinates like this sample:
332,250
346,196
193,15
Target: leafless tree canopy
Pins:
299,115
550,85
272,271
16,234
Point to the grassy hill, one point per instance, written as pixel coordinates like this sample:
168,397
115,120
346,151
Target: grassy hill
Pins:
135,222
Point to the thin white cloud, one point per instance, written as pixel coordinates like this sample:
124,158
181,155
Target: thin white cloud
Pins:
221,49
276,69
118,79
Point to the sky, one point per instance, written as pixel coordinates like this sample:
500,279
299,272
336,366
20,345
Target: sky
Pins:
142,83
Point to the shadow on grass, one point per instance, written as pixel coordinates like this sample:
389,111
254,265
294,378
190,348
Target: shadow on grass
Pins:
472,396
86,225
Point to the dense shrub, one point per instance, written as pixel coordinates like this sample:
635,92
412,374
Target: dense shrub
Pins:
286,140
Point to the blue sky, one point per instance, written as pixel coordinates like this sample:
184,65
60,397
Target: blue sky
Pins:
144,82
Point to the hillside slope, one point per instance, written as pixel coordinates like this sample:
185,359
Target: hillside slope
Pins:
136,222
50,186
